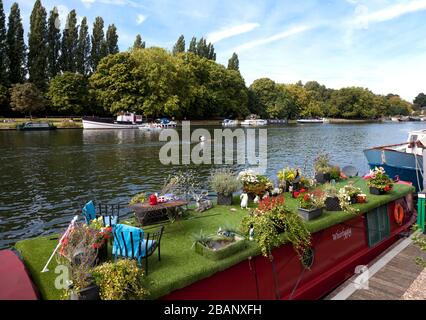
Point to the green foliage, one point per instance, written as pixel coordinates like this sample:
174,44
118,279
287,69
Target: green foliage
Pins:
420,241
3,98
99,46
322,163
37,48
139,44
16,48
83,49
234,63
179,47
312,200
379,179
123,280
3,48
68,93
69,44
224,182
112,39
53,44
26,98
139,198
420,100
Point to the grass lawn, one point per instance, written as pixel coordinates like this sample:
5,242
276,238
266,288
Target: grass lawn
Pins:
180,265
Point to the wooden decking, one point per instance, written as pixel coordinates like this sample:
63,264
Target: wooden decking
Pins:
390,282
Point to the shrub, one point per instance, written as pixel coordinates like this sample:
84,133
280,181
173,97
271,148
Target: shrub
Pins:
224,182
120,281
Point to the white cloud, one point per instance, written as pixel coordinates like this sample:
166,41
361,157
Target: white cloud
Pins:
225,33
88,3
288,33
141,18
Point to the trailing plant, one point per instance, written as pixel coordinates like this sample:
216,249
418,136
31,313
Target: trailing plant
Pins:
378,178
420,241
269,203
139,198
266,223
224,182
344,195
122,280
351,190
330,190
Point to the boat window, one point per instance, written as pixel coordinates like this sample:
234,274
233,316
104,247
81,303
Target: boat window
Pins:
413,138
378,227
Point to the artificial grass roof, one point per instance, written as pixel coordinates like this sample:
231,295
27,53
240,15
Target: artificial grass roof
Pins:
180,265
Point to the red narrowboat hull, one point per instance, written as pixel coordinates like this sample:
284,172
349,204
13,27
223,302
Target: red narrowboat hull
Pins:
338,250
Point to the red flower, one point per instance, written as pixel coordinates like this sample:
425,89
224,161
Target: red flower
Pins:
387,188
306,197
302,190
296,194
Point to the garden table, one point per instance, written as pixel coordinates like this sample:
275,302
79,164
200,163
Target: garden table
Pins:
146,213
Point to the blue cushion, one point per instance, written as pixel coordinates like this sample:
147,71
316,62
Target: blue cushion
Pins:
124,248
89,212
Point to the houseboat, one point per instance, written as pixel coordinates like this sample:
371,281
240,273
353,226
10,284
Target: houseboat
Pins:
124,120
340,243
401,161
35,126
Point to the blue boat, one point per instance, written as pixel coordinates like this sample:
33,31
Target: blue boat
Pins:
403,161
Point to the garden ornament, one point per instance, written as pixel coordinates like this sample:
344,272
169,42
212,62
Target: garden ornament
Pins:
244,200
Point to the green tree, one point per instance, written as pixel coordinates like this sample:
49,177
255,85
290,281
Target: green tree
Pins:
16,49
83,49
420,101
69,44
26,98
193,45
398,106
139,44
179,47
263,95
99,46
233,62
37,46
3,48
68,93
3,100
112,39
53,44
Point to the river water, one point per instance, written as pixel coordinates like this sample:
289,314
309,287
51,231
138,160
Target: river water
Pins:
45,176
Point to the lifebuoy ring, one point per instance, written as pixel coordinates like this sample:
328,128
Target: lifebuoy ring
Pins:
399,214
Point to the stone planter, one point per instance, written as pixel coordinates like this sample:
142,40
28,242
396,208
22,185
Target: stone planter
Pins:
322,177
228,250
332,204
224,200
311,214
376,191
89,293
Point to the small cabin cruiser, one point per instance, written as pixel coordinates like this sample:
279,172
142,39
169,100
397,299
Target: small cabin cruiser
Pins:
124,120
229,123
311,120
159,124
402,161
254,123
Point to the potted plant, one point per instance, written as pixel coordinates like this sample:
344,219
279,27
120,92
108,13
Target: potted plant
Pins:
332,202
123,280
351,191
378,181
311,205
101,238
79,252
254,184
286,177
322,168
224,183
139,198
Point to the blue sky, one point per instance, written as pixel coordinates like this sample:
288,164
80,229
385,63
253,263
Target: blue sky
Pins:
378,44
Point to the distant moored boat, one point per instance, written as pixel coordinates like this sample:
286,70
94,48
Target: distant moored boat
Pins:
310,120
35,126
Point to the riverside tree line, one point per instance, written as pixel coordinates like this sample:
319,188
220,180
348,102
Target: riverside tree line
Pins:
67,71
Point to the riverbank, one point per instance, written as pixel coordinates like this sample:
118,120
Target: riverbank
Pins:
60,123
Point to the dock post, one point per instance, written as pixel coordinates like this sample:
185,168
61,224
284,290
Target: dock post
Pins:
421,211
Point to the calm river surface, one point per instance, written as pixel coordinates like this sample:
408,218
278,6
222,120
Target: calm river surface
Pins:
45,176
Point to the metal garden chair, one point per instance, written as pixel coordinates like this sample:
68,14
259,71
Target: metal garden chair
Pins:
134,243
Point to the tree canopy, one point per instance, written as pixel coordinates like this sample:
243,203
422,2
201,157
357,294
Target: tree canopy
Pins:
26,98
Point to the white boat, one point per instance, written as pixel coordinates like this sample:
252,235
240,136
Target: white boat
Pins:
229,123
159,124
311,120
123,121
404,160
254,123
